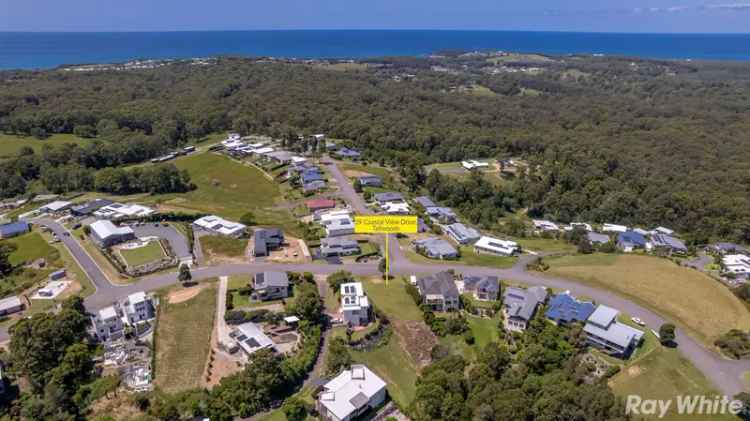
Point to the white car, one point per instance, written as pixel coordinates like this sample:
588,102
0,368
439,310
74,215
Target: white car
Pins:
638,321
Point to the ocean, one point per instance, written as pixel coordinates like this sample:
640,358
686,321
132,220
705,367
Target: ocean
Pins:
41,50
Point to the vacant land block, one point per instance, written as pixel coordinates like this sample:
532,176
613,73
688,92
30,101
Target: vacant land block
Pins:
687,297
183,339
220,246
151,252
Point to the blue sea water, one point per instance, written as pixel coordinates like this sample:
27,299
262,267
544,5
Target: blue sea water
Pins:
47,50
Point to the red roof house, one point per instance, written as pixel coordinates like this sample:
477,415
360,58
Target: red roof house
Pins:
318,204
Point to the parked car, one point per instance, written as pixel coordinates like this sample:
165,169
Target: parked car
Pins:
638,321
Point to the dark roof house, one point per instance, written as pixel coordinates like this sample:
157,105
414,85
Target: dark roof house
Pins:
439,291
13,229
563,309
669,243
482,287
630,240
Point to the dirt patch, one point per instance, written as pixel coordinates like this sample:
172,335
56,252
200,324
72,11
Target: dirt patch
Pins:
291,252
182,295
71,290
118,405
354,173
417,340
634,371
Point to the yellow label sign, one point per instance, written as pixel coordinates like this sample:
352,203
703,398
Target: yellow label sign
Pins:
385,224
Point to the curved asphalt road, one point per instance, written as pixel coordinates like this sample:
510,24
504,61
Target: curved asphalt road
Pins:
724,374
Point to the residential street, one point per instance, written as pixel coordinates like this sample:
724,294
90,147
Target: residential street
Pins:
724,374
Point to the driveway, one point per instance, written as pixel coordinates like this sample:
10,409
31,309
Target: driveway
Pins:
177,241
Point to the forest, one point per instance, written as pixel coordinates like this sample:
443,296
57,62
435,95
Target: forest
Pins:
619,140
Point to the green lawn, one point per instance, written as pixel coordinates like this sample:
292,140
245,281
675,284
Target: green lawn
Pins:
151,252
468,257
31,246
395,367
11,144
545,245
183,339
218,245
674,292
224,187
485,331
392,299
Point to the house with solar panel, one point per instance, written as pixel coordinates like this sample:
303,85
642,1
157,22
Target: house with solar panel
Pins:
270,285
355,307
351,394
564,309
519,306
605,332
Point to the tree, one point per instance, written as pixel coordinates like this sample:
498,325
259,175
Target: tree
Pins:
337,278
248,218
307,304
338,357
184,275
667,334
382,266
6,249
295,409
584,246
357,185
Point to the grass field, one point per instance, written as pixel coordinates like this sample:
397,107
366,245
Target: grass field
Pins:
11,144
224,187
385,174
468,257
545,245
223,246
151,252
670,290
31,246
663,373
392,299
183,340
395,367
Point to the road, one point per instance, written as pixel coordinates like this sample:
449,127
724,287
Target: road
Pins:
724,374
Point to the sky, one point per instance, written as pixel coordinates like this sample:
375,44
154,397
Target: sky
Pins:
714,16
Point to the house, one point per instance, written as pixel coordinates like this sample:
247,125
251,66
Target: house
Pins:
483,288
439,292
629,240
89,208
318,204
106,234
662,230
282,157
350,394
108,324
14,229
355,307
614,228
383,198
220,226
597,238
425,201
308,175
251,338
519,306
265,240
56,207
736,264
495,246
544,225
116,211
462,234
344,152
395,208
581,225
727,248
313,186
325,218
603,331
57,275
641,231
139,307
10,305
564,309
338,247
473,164
341,226
270,285
436,248
668,243
370,181
441,214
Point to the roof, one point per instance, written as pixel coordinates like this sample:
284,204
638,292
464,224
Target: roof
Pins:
13,228
219,225
351,390
107,313
461,232
353,296
346,152
632,238
338,242
564,307
57,205
522,302
251,338
440,283
282,156
123,210
440,211
614,228
320,203
10,303
603,316
90,207
663,240
437,246
137,297
369,178
614,332
481,283
340,223
596,237
496,245
545,225
425,201
105,229
728,247
664,230
388,197
271,279
395,207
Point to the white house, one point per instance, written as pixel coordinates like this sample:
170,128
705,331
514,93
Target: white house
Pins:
56,206
350,394
473,164
117,211
490,245
221,226
544,225
342,226
10,305
108,323
251,338
139,307
355,307
738,264
106,234
603,331
395,208
614,228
